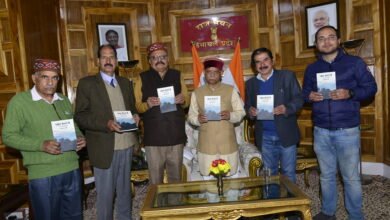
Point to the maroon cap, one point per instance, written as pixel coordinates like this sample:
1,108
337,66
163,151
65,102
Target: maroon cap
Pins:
46,64
156,46
213,62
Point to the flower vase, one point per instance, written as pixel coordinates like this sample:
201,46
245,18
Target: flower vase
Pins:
220,184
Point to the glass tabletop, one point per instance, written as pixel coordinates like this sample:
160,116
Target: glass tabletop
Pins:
234,190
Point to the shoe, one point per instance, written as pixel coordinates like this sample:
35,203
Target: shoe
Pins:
322,216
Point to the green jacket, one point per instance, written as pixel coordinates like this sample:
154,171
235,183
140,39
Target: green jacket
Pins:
28,124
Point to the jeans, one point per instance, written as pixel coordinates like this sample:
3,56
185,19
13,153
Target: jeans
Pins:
339,147
273,152
57,197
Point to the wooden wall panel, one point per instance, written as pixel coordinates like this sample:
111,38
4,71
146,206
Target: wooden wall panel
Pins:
3,4
74,8
40,31
78,39
363,14
13,79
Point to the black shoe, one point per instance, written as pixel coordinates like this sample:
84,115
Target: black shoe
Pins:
322,216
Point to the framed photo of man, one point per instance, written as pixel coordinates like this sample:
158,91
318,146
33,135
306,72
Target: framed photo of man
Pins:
318,16
115,35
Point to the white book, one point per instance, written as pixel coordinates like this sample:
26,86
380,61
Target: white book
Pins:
167,99
326,82
265,107
65,134
125,120
212,108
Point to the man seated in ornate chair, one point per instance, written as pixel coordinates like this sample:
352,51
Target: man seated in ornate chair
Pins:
249,163
215,108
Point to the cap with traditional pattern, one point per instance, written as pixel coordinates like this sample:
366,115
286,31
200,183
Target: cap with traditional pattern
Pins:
156,46
46,64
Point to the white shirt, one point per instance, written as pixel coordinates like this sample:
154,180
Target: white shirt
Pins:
260,78
36,96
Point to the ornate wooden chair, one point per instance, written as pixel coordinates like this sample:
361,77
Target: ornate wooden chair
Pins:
250,157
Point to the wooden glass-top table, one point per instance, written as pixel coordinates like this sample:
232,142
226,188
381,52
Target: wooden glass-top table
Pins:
246,197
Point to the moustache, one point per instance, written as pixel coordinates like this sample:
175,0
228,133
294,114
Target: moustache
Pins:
160,62
263,67
108,64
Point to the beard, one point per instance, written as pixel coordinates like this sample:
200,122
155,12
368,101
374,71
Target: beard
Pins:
329,52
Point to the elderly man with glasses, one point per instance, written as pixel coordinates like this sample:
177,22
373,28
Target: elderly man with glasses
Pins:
164,133
53,170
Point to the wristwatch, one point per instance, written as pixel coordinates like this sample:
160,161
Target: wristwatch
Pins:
351,93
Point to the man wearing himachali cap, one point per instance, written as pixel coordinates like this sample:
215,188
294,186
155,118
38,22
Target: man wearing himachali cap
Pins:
217,139
164,133
54,177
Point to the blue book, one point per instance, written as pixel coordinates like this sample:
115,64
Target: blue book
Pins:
167,99
326,82
265,107
212,108
125,120
65,134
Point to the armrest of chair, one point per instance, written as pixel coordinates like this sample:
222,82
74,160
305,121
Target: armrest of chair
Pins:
188,158
250,158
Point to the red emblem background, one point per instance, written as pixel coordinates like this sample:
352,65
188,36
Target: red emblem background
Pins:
227,36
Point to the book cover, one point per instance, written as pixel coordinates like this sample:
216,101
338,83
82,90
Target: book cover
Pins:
65,134
167,99
125,120
326,82
212,108
265,107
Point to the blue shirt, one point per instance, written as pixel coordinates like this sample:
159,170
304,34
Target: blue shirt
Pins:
107,78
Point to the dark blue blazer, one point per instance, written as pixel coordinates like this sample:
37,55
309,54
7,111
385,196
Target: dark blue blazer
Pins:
286,91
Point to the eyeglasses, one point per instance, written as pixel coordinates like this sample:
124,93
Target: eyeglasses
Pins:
329,38
157,58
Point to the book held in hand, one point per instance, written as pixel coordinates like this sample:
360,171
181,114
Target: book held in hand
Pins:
125,120
326,82
212,108
65,134
167,99
265,107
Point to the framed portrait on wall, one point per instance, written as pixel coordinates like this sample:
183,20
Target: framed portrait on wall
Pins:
318,16
115,35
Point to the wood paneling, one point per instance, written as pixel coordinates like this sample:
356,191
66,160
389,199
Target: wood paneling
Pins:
26,33
13,78
40,31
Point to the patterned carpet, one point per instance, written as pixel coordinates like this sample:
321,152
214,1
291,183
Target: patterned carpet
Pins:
376,198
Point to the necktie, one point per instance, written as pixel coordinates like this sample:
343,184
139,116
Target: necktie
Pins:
112,83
